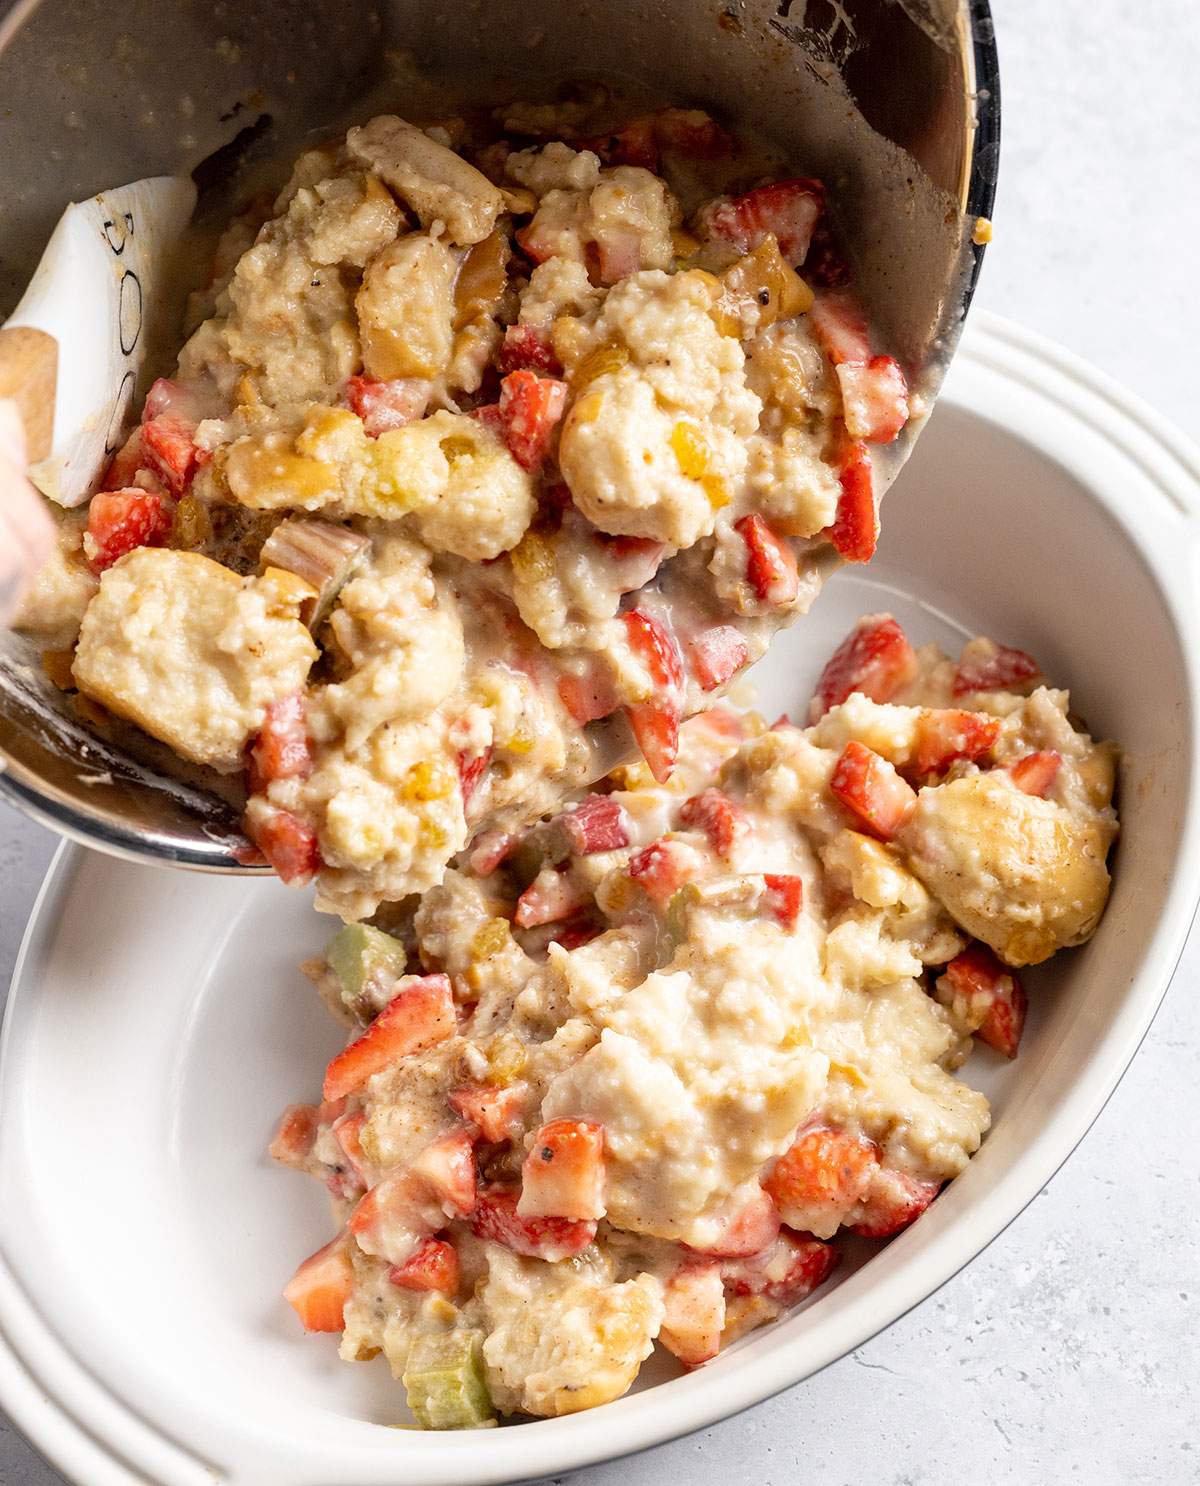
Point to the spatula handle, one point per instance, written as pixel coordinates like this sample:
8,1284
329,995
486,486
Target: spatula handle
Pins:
29,375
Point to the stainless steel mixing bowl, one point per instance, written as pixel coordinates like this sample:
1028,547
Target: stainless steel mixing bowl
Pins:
893,103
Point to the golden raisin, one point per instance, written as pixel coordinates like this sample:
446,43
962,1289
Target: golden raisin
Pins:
190,527
431,779
603,360
481,279
490,938
533,559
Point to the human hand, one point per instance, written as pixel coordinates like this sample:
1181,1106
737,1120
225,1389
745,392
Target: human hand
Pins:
26,530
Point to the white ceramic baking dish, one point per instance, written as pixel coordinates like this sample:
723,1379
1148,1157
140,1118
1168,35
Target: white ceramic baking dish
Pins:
157,1024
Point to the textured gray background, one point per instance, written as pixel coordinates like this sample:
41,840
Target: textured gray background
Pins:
1068,1349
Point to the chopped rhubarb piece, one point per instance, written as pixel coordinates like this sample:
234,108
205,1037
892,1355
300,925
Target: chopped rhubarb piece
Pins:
1036,772
434,1266
869,786
791,1269
281,750
714,813
784,898
875,658
656,727
294,1138
490,850
785,210
120,520
347,1130
320,1289
526,348
169,448
421,1015
893,1201
530,407
597,823
694,1312
855,528
496,1220
945,734
986,666
471,770
125,463
716,655
662,868
986,997
825,267
288,843
590,696
447,1167
383,406
495,1111
821,1177
691,132
745,1229
874,399
549,897
563,1174
635,143
770,563
838,322
580,928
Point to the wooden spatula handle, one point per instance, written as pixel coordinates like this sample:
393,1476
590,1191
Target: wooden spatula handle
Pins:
29,375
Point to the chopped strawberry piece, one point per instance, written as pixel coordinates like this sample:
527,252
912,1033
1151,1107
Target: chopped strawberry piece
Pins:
281,750
496,1220
526,348
874,658
125,463
694,1312
870,786
652,643
784,898
986,666
383,406
434,1266
786,210
419,1016
770,563
294,1138
563,1174
945,734
985,996
661,868
167,398
347,1130
169,448
716,655
747,1229
635,143
530,407
821,1177
721,722
580,928
396,1216
549,897
655,722
632,561
597,823
490,850
893,1201
1036,772
495,1111
874,398
855,528
447,1167
825,267
691,132
838,322
321,1288
789,1271
618,253
714,813
656,727
589,696
288,843
120,520
470,771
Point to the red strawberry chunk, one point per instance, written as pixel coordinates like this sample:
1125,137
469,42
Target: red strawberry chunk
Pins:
447,1167
347,1130
597,823
694,1312
855,528
893,1201
396,1216
985,996
821,1177
294,1138
714,813
1036,772
471,770
496,1220
770,562
527,348
945,734
167,398
691,132
655,722
747,1229
530,407
786,210
563,1174
490,850
588,696
120,520
321,1288
495,1111
716,655
986,666
383,406
580,928
662,868
875,658
281,750
652,643
784,898
869,785
874,399
635,143
125,463
791,1269
656,727
419,1016
434,1266
169,448
632,561
288,843
551,896
840,326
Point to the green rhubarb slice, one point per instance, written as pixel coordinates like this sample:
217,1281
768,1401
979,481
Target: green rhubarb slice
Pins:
445,1381
367,962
